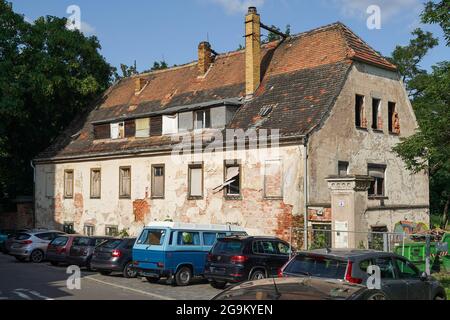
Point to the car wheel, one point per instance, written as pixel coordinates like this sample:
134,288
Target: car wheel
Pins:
374,295
54,263
128,271
105,273
152,280
218,284
258,275
37,256
183,276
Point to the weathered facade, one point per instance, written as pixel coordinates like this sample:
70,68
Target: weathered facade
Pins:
332,104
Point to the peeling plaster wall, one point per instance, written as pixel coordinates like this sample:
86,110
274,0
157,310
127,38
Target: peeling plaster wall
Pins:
260,216
340,140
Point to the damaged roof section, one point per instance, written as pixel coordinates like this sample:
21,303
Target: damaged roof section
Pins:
301,77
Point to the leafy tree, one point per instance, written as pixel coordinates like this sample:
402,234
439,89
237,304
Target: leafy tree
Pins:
128,71
48,76
438,13
429,148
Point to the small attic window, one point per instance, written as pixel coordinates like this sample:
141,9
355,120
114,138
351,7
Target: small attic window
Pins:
265,111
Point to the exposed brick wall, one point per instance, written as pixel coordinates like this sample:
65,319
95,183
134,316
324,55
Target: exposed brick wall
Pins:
141,208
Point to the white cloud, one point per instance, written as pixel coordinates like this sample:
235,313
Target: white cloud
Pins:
87,29
389,8
238,6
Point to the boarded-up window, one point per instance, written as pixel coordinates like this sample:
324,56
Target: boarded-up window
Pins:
96,183
158,182
102,131
378,173
195,181
50,184
273,179
68,184
118,130
170,124
125,182
156,126
360,112
142,128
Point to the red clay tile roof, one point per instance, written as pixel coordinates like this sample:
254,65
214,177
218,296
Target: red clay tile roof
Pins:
301,78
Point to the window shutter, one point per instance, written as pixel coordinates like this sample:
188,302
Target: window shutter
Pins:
196,183
130,128
102,131
156,126
142,128
114,131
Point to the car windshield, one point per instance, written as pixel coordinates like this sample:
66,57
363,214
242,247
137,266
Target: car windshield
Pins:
59,242
316,266
111,244
228,246
152,237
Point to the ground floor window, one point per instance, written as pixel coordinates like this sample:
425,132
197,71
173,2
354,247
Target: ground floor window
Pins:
321,236
377,238
89,230
111,231
69,228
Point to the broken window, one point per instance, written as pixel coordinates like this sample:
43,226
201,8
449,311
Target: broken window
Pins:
273,179
195,181
158,182
360,112
125,182
170,124
377,188
96,176
203,119
377,120
89,230
343,168
111,231
142,128
118,130
68,184
394,121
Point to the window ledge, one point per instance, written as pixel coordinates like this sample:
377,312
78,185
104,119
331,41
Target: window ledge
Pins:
157,198
231,198
362,129
190,198
377,130
394,134
125,197
378,198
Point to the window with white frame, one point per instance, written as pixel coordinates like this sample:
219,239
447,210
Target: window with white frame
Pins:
203,119
118,130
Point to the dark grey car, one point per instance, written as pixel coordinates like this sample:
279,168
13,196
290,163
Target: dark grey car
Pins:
400,279
114,255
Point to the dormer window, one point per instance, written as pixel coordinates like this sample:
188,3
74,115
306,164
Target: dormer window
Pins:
203,119
118,130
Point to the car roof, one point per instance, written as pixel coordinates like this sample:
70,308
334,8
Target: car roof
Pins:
347,253
242,237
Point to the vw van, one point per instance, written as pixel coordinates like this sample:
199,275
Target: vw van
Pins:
177,251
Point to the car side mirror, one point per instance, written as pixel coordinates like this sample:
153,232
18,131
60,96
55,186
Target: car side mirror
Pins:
424,277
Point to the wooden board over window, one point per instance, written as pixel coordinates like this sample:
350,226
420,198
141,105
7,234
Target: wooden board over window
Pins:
195,181
125,182
68,184
158,181
96,181
143,128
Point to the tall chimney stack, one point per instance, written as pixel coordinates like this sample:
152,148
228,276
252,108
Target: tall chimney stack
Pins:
204,57
252,51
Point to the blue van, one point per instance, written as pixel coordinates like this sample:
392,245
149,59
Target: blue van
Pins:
177,251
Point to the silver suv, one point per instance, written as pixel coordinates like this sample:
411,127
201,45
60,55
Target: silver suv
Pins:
32,245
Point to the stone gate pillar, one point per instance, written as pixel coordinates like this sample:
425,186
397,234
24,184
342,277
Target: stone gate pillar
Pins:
348,205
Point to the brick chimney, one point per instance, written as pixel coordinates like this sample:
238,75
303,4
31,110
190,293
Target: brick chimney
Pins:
139,84
252,51
204,57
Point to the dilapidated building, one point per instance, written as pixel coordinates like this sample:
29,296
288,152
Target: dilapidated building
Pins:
320,112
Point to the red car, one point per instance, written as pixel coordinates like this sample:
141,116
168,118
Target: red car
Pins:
59,248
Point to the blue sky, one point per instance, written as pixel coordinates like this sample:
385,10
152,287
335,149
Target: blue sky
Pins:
149,30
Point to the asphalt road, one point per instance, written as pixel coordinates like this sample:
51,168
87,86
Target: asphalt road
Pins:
27,281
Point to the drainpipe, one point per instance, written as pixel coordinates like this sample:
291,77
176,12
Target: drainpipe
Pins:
305,192
34,193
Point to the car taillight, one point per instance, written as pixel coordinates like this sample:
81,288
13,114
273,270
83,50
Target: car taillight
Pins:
239,259
26,242
348,275
210,256
116,253
280,273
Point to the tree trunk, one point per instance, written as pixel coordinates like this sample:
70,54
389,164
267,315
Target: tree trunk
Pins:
445,217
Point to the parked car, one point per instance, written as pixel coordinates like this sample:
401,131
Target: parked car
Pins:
114,255
82,249
58,249
32,245
400,279
299,289
238,259
10,239
3,237
176,251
